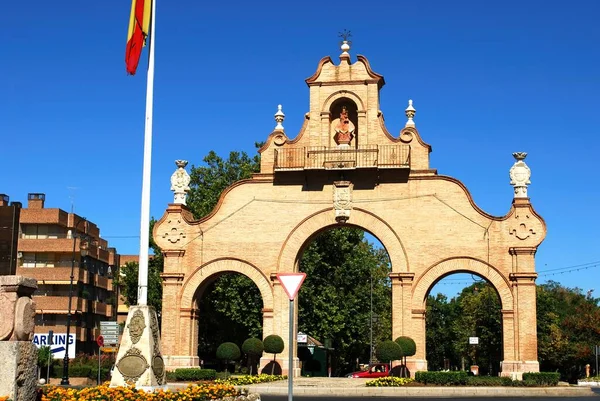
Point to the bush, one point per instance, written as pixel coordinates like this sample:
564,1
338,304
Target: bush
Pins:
253,346
442,378
273,344
389,382
192,374
541,378
228,352
388,351
408,345
489,381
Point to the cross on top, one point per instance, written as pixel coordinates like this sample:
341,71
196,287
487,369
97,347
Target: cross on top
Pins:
345,34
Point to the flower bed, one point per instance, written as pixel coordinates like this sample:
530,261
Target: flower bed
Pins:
389,381
104,393
247,379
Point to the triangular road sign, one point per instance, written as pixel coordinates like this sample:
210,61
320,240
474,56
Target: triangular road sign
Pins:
291,283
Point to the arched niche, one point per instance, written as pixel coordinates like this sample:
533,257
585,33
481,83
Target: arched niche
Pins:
343,122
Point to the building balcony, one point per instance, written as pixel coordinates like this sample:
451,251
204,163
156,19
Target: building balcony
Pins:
99,308
102,282
57,273
324,158
59,304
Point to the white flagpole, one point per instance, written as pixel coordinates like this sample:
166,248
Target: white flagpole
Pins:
145,213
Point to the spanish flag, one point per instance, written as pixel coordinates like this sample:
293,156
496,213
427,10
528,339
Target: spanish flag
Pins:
139,25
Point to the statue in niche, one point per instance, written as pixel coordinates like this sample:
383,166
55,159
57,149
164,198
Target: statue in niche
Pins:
343,128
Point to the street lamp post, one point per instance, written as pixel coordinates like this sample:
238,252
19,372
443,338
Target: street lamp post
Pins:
65,378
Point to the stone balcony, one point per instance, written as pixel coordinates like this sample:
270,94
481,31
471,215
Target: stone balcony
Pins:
324,158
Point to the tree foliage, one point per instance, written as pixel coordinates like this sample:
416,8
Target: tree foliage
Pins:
253,346
335,298
388,351
474,313
273,344
207,182
127,279
228,352
407,345
568,325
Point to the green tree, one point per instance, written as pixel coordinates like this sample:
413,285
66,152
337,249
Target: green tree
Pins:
568,324
228,352
441,313
253,348
208,182
334,300
127,277
479,316
273,345
388,351
408,348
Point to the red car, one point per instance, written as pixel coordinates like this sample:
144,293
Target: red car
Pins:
375,370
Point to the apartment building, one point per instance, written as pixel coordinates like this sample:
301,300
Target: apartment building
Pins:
51,244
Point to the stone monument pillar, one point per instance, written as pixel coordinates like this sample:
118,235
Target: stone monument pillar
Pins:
17,352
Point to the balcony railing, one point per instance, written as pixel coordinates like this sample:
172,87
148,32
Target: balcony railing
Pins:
370,156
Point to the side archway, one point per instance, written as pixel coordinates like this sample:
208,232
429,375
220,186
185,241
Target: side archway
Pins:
433,274
458,265
226,265
300,235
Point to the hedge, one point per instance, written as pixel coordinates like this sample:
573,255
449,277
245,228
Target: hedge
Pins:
192,374
442,378
489,381
542,378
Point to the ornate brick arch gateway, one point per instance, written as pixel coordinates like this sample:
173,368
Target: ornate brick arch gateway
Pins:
345,168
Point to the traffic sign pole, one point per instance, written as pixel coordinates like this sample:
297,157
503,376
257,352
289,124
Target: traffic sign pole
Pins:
291,283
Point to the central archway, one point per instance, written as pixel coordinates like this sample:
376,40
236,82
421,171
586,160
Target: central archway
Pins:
300,236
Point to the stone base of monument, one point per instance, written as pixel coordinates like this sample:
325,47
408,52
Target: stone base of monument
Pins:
139,361
18,378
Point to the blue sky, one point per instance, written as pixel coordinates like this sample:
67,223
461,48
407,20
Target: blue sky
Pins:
487,79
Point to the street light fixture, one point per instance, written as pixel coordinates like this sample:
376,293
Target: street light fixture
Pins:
84,251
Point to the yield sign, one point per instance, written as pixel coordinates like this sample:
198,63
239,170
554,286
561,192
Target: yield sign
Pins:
291,283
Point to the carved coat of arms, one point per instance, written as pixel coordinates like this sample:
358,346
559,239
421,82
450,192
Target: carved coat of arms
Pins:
342,200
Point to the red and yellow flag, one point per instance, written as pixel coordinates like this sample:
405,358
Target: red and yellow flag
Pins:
139,25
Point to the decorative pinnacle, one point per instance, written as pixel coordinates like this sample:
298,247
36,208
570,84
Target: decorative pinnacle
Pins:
519,155
410,113
181,163
279,117
345,42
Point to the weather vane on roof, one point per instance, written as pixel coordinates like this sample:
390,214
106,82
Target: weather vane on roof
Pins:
345,35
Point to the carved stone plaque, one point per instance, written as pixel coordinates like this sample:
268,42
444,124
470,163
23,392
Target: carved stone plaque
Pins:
158,367
136,326
132,365
342,200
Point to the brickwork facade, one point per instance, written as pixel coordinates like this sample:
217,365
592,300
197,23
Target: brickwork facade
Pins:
49,247
428,223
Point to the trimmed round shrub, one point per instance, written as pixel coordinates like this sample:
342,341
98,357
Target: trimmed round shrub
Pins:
273,344
408,346
253,346
388,351
228,352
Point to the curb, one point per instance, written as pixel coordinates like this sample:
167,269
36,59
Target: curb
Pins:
425,391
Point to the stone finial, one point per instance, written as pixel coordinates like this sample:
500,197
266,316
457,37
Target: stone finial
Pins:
520,175
180,181
279,117
410,113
